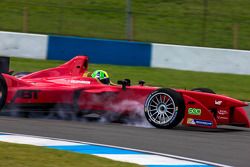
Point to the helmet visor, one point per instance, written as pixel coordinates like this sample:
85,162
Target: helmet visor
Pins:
105,81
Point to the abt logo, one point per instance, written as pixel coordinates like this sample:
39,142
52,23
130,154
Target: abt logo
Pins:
27,94
218,102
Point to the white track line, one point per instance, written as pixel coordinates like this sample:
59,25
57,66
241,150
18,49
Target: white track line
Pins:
74,142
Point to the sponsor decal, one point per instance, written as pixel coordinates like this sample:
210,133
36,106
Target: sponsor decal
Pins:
194,111
81,82
191,121
27,94
203,123
221,117
218,102
223,112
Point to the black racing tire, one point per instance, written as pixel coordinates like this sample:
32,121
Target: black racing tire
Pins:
164,108
205,90
3,91
21,74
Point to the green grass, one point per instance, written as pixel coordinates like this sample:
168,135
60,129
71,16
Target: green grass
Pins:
17,155
236,86
164,21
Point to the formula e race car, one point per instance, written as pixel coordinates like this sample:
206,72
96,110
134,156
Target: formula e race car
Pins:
68,87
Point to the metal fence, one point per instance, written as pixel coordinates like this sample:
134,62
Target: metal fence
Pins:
222,23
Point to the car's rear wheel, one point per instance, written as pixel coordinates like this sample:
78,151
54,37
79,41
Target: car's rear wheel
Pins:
3,91
164,108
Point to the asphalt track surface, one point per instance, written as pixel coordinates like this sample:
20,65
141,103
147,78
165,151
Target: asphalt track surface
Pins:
226,145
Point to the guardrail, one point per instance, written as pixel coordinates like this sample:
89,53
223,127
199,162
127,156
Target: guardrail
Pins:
119,52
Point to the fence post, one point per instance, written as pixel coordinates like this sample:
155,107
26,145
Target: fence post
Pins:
235,35
25,19
129,21
204,25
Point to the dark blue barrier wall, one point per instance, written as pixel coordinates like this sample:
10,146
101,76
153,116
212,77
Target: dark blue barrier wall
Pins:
100,51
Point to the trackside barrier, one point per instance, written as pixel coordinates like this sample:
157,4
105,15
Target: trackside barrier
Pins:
100,51
23,45
119,52
200,59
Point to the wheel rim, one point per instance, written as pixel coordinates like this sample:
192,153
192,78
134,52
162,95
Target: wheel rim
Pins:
161,108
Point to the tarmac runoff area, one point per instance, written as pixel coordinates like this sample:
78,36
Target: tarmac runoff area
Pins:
225,145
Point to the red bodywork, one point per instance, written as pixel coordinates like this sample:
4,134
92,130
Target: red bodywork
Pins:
66,85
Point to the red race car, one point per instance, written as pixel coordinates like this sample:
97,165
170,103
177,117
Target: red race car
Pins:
69,87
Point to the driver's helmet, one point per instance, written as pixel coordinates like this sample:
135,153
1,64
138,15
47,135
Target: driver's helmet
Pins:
101,76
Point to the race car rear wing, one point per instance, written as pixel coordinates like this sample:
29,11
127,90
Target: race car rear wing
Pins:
4,64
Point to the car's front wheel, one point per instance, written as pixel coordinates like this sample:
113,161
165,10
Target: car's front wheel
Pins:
164,108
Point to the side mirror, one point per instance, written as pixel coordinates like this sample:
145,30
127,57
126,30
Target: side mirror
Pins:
123,83
141,82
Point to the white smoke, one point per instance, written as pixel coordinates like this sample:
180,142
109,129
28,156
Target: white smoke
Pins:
129,112
134,113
